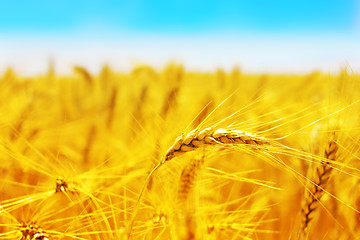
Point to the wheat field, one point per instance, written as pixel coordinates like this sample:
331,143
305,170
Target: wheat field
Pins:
173,154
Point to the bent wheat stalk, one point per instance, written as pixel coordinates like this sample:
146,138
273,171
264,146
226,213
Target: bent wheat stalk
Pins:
197,138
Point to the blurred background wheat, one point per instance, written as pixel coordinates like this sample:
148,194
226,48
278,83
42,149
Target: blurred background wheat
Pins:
76,152
134,120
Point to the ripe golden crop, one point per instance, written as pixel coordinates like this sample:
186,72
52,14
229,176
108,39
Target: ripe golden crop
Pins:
179,155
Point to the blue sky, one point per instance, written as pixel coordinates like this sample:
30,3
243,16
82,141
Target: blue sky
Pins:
196,33
180,17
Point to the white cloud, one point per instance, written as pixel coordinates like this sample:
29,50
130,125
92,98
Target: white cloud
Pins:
256,54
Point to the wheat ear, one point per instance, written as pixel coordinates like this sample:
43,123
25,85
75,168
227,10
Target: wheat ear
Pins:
85,74
323,173
187,219
187,178
32,232
211,136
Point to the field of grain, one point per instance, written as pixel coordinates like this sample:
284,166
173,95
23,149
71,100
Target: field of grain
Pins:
174,154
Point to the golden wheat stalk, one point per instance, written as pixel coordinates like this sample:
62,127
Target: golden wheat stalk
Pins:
323,174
